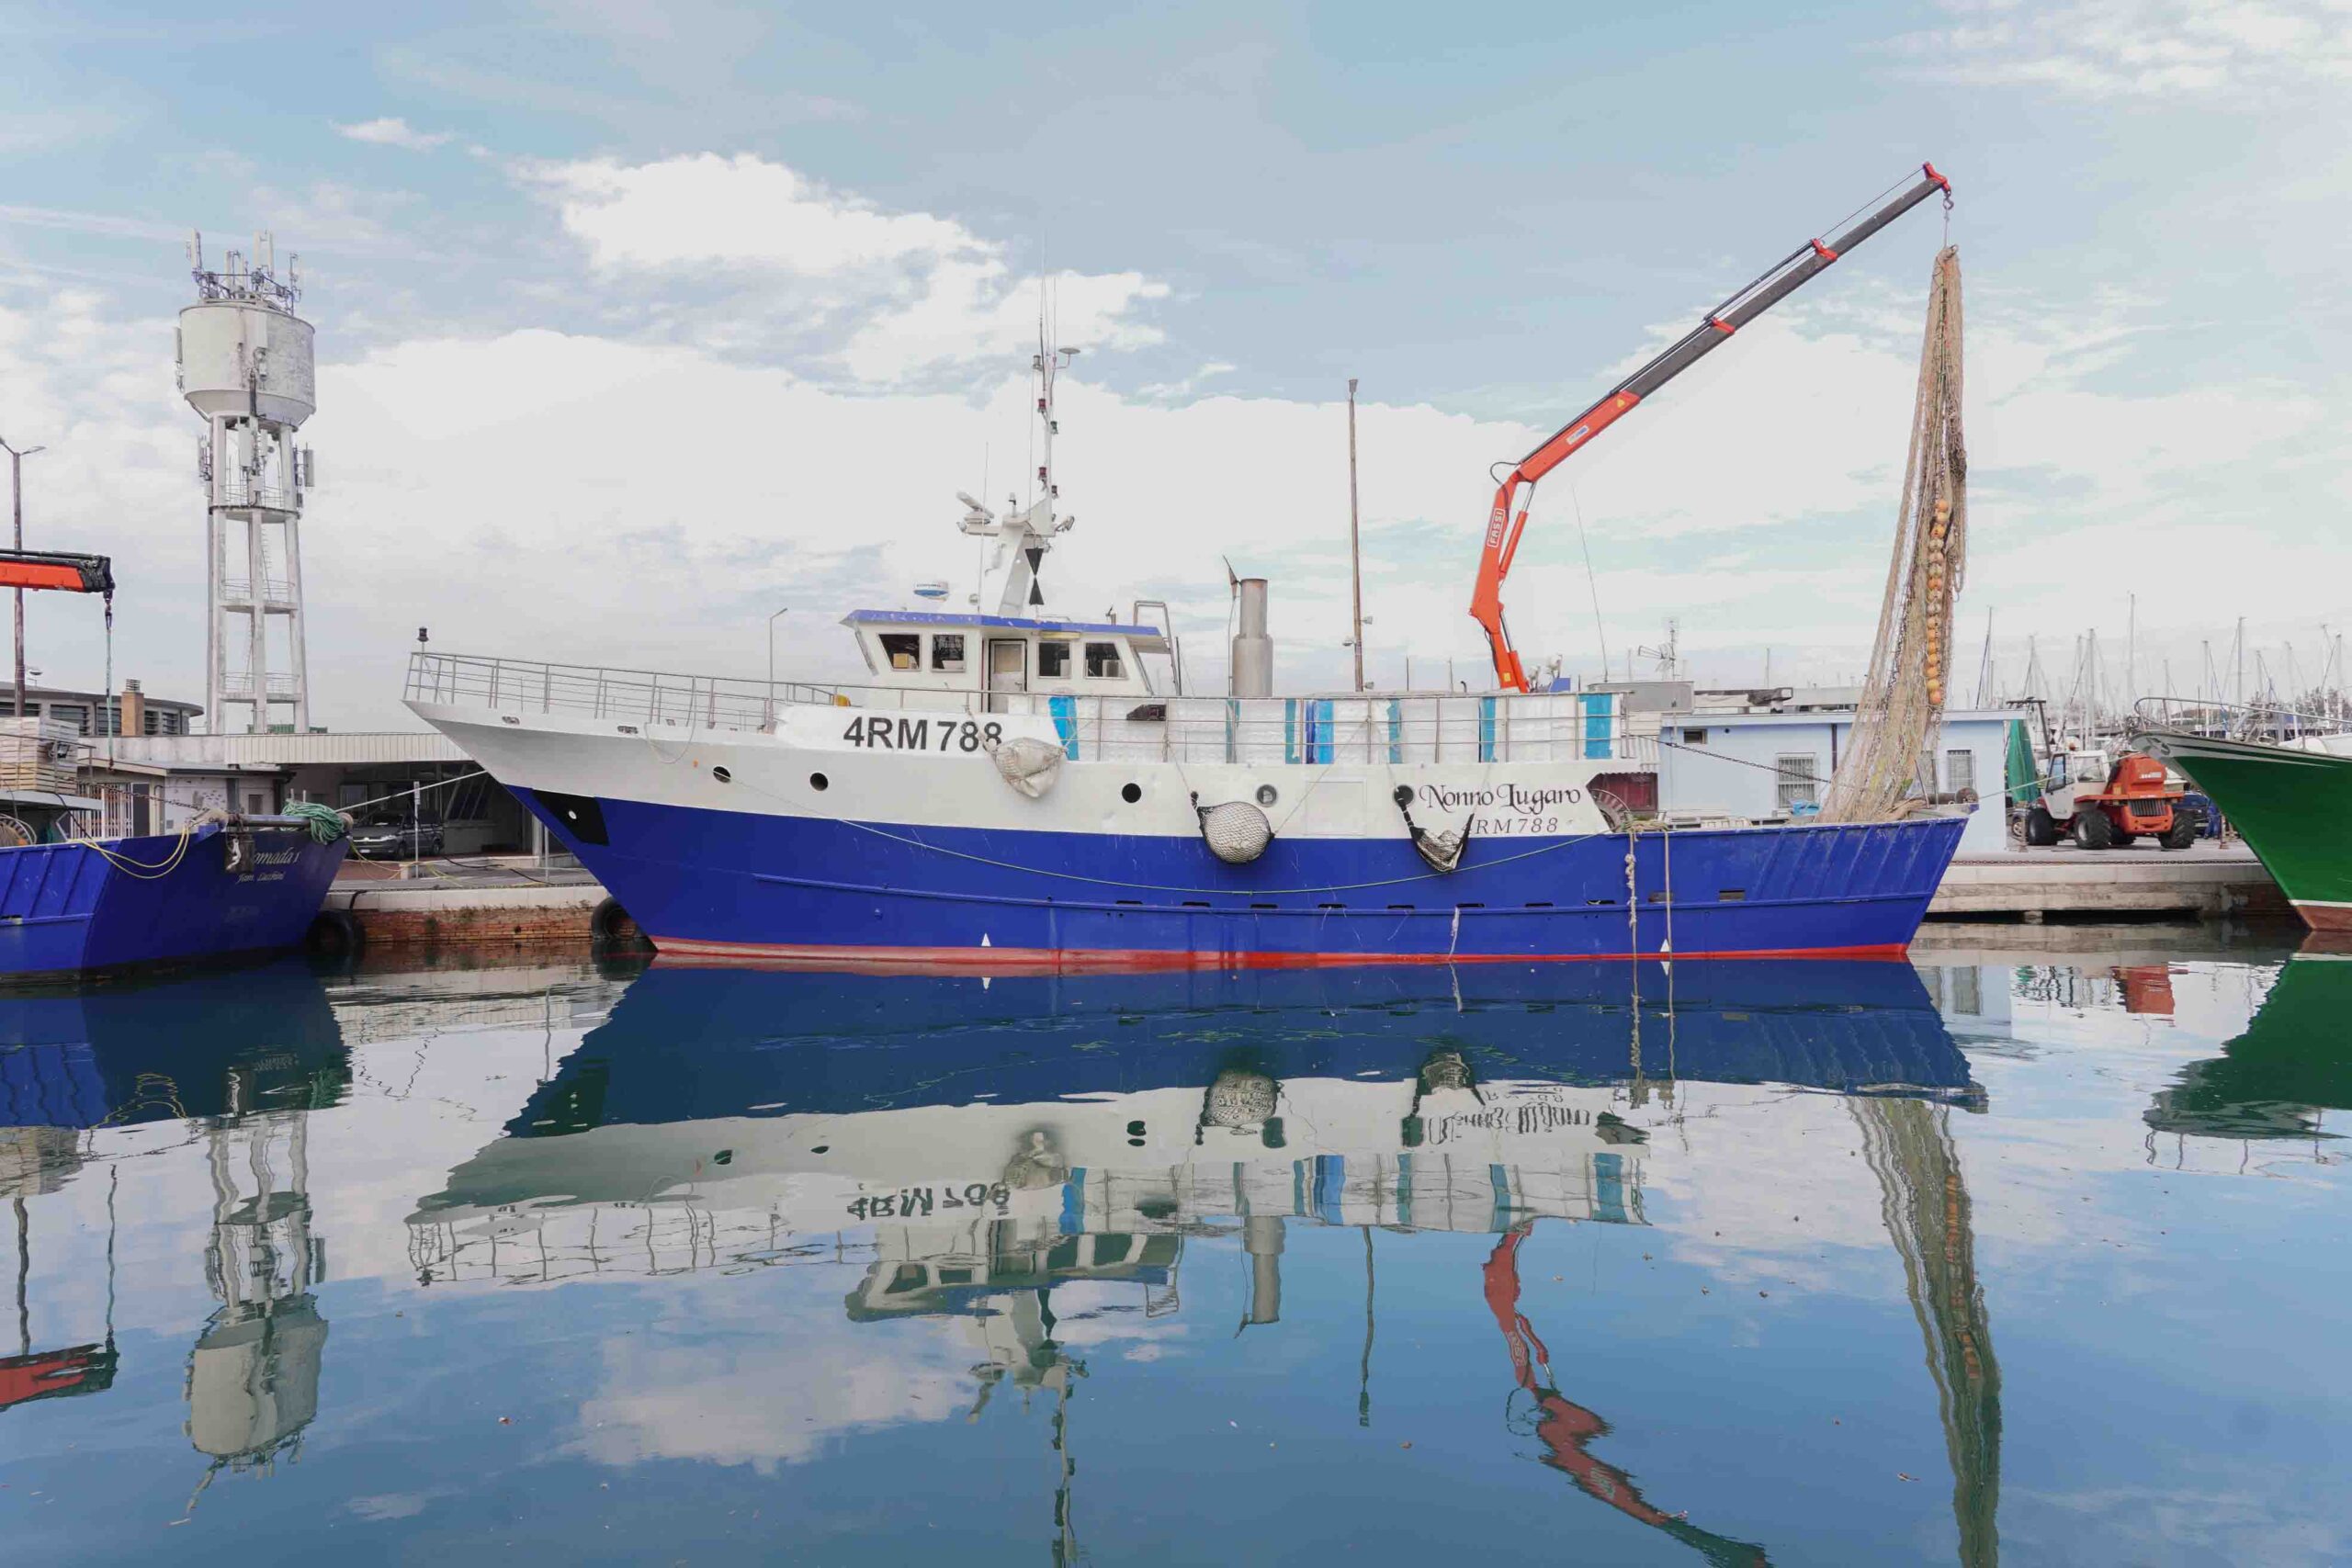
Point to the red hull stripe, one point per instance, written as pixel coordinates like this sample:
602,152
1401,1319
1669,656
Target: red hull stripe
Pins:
1079,961
2327,917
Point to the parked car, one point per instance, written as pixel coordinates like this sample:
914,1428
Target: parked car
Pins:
396,837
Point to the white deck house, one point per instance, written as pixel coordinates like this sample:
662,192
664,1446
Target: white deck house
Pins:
1763,765
1008,655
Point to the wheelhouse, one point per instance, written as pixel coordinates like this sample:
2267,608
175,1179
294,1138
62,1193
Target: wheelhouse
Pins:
1007,655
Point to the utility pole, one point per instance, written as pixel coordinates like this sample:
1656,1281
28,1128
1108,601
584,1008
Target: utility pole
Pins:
17,490
1355,536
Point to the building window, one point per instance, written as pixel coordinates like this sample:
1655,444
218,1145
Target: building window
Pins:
902,650
1053,662
1967,990
947,653
1103,661
1959,772
1799,782
1695,737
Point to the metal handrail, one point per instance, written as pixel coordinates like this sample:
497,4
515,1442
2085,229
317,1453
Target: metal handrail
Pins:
2272,723
1427,727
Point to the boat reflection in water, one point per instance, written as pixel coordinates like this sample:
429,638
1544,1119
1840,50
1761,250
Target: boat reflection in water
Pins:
980,1144
2280,1077
248,1057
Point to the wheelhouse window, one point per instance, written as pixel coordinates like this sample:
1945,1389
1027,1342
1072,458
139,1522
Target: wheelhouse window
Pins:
1103,662
902,650
1799,782
1053,662
947,653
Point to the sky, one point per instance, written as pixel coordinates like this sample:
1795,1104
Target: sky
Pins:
639,324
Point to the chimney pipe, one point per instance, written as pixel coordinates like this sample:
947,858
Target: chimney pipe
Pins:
1253,650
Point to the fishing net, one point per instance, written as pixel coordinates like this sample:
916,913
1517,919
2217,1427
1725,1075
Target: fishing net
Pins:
1882,775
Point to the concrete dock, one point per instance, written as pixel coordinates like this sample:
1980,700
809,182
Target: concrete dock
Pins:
480,904
2209,880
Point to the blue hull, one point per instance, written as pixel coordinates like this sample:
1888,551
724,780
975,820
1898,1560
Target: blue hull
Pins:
201,1044
68,907
722,884
688,1043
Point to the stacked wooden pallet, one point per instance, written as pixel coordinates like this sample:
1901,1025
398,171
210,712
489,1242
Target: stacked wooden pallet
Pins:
40,753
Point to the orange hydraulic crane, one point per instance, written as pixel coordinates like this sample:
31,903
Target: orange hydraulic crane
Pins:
43,569
1566,1427
1503,530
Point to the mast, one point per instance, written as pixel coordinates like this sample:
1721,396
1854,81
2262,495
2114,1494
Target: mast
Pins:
1024,535
1355,536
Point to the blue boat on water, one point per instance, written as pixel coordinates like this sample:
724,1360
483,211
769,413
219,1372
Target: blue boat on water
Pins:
223,885
246,884
1018,790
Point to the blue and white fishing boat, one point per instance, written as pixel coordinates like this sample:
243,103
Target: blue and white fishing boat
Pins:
1019,789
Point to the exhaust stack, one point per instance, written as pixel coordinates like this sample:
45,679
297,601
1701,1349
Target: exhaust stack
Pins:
1253,650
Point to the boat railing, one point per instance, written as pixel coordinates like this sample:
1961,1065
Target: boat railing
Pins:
2262,723
1340,728
628,696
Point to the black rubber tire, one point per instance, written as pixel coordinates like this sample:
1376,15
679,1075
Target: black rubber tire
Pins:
336,934
2040,828
2188,823
614,930
2092,829
2122,841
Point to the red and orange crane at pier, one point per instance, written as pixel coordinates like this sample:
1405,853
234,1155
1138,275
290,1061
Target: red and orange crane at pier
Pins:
1504,528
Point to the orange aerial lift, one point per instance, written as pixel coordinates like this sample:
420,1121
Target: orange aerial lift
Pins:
1503,530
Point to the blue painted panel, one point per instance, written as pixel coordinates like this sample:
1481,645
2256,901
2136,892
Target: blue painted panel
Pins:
1064,712
1599,714
1609,1187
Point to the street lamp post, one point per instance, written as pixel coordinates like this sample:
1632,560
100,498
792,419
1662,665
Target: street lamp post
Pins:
16,491
772,621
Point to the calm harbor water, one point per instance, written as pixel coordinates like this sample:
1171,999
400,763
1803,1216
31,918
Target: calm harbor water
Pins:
1997,1254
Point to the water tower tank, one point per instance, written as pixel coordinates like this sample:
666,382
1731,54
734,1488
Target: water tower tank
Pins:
241,357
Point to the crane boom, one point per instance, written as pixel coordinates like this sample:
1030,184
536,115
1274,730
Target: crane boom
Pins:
1785,278
44,568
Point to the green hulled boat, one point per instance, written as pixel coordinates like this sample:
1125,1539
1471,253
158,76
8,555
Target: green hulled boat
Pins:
2281,1076
2292,802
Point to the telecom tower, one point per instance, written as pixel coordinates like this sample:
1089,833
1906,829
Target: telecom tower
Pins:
245,365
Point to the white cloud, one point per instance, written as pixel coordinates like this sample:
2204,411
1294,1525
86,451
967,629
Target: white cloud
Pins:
2151,49
932,291
978,310
392,132
819,1379
739,210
